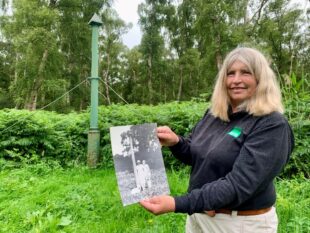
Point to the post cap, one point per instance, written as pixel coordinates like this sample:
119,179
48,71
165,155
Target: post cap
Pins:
95,20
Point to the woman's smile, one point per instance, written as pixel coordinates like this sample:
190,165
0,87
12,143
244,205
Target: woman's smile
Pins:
240,82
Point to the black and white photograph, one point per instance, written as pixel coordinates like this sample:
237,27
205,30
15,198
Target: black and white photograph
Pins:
138,162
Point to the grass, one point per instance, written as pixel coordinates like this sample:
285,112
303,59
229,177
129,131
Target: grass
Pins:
39,198
293,205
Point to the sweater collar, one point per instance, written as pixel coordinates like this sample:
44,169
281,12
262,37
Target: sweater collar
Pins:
233,115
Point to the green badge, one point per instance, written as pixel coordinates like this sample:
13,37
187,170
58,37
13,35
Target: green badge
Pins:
235,132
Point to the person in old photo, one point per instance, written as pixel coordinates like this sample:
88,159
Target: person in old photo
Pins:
147,173
141,181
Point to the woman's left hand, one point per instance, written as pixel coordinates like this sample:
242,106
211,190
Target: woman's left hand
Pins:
159,204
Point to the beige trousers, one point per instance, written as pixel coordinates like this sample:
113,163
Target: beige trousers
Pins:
225,223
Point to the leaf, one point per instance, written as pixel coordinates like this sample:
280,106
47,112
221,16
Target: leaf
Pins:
65,221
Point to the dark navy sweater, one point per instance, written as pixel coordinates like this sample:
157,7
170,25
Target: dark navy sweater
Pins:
233,163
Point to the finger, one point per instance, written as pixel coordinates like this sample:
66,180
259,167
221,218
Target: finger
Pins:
210,213
163,129
160,129
148,205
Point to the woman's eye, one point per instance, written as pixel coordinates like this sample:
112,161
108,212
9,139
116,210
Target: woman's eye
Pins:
246,72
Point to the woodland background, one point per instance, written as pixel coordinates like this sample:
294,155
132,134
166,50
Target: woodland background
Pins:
45,49
45,60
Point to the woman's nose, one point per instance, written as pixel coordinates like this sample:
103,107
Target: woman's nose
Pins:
237,78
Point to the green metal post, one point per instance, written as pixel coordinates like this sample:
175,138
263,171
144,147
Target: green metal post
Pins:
94,133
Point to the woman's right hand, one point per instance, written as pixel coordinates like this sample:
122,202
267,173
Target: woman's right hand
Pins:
166,136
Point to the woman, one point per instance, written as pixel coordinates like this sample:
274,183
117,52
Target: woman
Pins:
241,144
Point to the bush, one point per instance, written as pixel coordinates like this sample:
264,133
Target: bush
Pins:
28,137
298,114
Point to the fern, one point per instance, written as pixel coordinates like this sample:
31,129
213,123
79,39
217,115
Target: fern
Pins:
63,137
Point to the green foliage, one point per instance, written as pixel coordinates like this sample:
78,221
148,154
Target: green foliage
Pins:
297,101
281,24
294,214
45,48
29,137
85,200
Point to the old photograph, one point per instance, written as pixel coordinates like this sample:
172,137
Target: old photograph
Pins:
138,162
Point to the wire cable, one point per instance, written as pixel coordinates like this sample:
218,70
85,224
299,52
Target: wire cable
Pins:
100,93
54,101
119,96
134,109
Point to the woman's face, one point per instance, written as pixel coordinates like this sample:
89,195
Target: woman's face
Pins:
240,82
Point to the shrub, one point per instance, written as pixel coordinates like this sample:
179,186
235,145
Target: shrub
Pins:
32,136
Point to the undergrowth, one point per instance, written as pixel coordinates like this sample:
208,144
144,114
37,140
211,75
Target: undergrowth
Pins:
48,198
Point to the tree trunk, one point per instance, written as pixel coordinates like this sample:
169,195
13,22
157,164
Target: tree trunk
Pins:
18,104
180,84
83,92
173,85
257,15
149,83
106,79
15,70
219,59
37,83
134,78
246,15
67,100
218,44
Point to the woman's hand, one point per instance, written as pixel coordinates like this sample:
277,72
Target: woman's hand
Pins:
166,136
159,204
211,213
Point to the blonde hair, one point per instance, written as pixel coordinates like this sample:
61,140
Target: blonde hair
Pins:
267,97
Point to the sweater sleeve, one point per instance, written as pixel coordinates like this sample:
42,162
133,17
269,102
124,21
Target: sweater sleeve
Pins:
182,150
261,158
